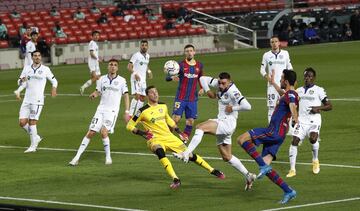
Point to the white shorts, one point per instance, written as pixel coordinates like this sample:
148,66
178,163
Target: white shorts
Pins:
303,130
138,87
224,130
103,119
30,111
272,96
94,67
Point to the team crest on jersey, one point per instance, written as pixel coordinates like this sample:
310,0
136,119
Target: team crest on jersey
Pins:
152,120
311,92
104,88
226,96
161,110
177,105
116,83
141,63
40,72
281,56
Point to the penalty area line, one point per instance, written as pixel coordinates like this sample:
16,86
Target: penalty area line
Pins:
67,203
150,154
313,204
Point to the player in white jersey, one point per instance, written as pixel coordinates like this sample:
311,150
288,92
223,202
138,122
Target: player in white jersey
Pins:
138,67
111,88
230,102
30,47
35,76
313,100
93,62
274,62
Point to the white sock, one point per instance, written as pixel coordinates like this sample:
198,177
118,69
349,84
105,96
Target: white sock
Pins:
236,163
132,106
85,142
106,142
315,151
195,141
292,156
87,84
26,128
139,105
33,133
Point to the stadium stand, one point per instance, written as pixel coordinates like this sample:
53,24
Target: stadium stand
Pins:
79,31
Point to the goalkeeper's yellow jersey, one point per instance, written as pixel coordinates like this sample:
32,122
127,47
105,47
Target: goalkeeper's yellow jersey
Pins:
155,119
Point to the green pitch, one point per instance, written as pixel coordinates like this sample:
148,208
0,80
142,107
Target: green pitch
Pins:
137,181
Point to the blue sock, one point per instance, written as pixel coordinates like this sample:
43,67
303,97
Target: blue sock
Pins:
188,129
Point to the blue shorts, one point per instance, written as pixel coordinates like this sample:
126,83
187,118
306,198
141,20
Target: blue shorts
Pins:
271,142
190,109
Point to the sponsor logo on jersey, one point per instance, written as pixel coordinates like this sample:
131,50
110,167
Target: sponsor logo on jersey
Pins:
189,75
110,88
161,110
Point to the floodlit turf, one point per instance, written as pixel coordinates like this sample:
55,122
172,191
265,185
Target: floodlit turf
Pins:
139,182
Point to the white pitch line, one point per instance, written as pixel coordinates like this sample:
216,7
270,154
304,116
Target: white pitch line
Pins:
150,154
67,203
313,204
352,99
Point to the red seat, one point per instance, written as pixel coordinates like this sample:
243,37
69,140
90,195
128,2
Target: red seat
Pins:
201,30
77,33
138,28
181,31
4,44
87,31
143,34
72,40
158,27
191,31
82,39
162,33
172,32
12,32
60,40
153,33
122,36
148,27
107,30
118,29
133,35
103,37
112,36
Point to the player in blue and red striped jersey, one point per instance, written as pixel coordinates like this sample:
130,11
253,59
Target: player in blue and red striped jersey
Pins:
274,135
187,92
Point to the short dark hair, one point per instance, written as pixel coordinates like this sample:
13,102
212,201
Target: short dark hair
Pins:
189,46
114,60
95,32
290,76
275,36
36,51
310,69
224,75
33,33
148,88
144,41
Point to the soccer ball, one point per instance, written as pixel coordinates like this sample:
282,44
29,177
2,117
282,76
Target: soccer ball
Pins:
171,67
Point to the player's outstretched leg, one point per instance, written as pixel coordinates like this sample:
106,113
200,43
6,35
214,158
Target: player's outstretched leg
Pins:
201,162
250,148
165,162
288,192
85,142
84,86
